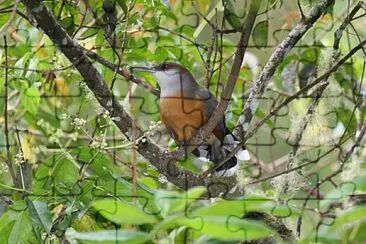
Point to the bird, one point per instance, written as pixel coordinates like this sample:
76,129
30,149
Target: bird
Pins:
185,107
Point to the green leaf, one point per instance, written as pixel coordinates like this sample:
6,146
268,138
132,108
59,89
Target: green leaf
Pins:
6,225
4,17
65,172
40,214
22,64
350,216
150,182
226,227
309,55
261,115
57,173
242,207
108,236
31,99
97,161
122,212
233,19
19,51
260,34
169,201
21,228
16,225
68,24
167,12
234,13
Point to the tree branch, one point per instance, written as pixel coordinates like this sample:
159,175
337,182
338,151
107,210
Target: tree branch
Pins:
122,71
73,51
8,160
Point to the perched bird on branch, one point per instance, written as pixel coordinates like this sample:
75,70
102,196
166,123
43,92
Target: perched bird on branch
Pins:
185,107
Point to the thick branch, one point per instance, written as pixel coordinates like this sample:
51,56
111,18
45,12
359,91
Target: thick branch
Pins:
74,52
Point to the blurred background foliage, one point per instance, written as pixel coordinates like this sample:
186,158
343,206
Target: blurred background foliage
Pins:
73,167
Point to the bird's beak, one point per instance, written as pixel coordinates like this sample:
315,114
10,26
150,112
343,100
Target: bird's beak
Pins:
143,68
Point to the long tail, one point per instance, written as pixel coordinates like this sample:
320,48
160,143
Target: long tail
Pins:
218,151
230,142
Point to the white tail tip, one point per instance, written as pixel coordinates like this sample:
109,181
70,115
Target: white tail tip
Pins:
243,155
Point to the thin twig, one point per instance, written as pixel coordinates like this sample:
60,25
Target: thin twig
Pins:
123,71
6,128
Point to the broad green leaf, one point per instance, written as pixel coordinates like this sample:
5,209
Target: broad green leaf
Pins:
122,212
309,55
108,236
226,227
22,229
6,225
167,12
31,99
234,21
20,50
260,34
68,24
324,238
65,173
5,232
40,214
350,217
22,64
150,182
16,225
4,17
56,173
234,13
169,201
242,207
97,161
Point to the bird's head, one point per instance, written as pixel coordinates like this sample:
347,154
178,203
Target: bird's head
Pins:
169,75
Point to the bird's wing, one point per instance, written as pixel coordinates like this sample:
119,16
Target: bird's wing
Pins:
221,131
211,104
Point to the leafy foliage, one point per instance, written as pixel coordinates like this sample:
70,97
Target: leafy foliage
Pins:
77,178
